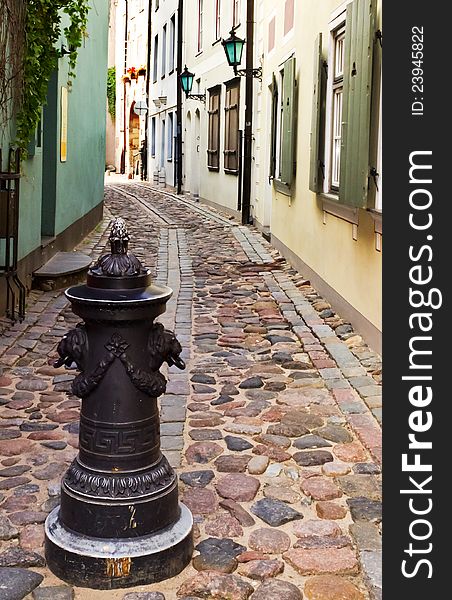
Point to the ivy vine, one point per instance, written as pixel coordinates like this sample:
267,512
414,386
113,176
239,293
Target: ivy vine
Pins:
111,91
42,26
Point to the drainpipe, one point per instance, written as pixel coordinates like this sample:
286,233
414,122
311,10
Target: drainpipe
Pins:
248,146
123,158
148,86
180,24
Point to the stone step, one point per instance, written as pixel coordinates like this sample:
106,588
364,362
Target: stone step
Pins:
62,270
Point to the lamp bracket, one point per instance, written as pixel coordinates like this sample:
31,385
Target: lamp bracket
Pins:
200,97
257,73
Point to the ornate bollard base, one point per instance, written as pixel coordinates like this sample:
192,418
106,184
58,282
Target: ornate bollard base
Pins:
118,563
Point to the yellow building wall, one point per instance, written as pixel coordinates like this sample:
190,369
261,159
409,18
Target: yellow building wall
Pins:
351,267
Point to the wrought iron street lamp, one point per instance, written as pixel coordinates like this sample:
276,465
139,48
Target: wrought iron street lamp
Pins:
186,81
233,48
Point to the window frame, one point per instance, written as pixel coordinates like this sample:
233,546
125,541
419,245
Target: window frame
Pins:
236,13
228,107
172,46
164,40
156,59
214,149
170,136
337,30
153,135
217,20
200,25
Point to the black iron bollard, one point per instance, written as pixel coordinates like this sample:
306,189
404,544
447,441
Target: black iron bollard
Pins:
120,523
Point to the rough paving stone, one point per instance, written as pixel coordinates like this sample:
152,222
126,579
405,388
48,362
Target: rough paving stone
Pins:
251,383
237,444
27,517
232,464
311,441
9,434
334,469
19,404
200,501
224,545
15,447
352,453
223,526
279,441
277,589
197,478
372,570
7,529
310,458
38,426
274,512
202,452
364,509
323,542
12,482
269,541
320,488
238,487
312,528
209,584
366,536
202,435
261,569
32,385
366,469
282,492
360,486
57,592
219,562
144,596
31,537
243,428
202,378
331,587
18,583
302,419
248,555
51,471
335,433
330,511
287,429
54,445
317,561
237,511
257,465
14,471
16,557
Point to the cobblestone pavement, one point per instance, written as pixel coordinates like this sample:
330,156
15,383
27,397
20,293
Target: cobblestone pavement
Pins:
273,427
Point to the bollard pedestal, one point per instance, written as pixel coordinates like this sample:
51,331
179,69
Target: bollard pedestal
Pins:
120,523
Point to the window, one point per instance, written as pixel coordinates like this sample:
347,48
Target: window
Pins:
340,132
170,136
156,57
271,34
157,4
217,19
172,48
337,83
162,142
153,132
289,14
164,51
283,126
213,149
235,13
231,134
200,23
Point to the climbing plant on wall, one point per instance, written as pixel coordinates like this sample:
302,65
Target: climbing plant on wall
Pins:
111,91
24,89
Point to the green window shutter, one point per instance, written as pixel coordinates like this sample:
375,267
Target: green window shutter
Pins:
358,53
315,172
274,92
288,123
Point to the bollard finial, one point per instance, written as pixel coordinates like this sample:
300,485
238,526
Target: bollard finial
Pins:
119,263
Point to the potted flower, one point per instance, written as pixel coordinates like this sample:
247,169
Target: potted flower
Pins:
125,78
132,72
142,71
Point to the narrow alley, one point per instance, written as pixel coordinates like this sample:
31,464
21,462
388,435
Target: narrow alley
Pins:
274,428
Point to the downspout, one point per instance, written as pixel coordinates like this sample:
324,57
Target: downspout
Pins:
248,146
123,161
148,86
180,24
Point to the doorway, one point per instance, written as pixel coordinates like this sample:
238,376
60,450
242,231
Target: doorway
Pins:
196,140
50,148
134,141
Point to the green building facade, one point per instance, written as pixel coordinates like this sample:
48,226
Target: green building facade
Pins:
61,183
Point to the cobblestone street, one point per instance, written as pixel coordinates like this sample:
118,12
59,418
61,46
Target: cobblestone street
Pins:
273,428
